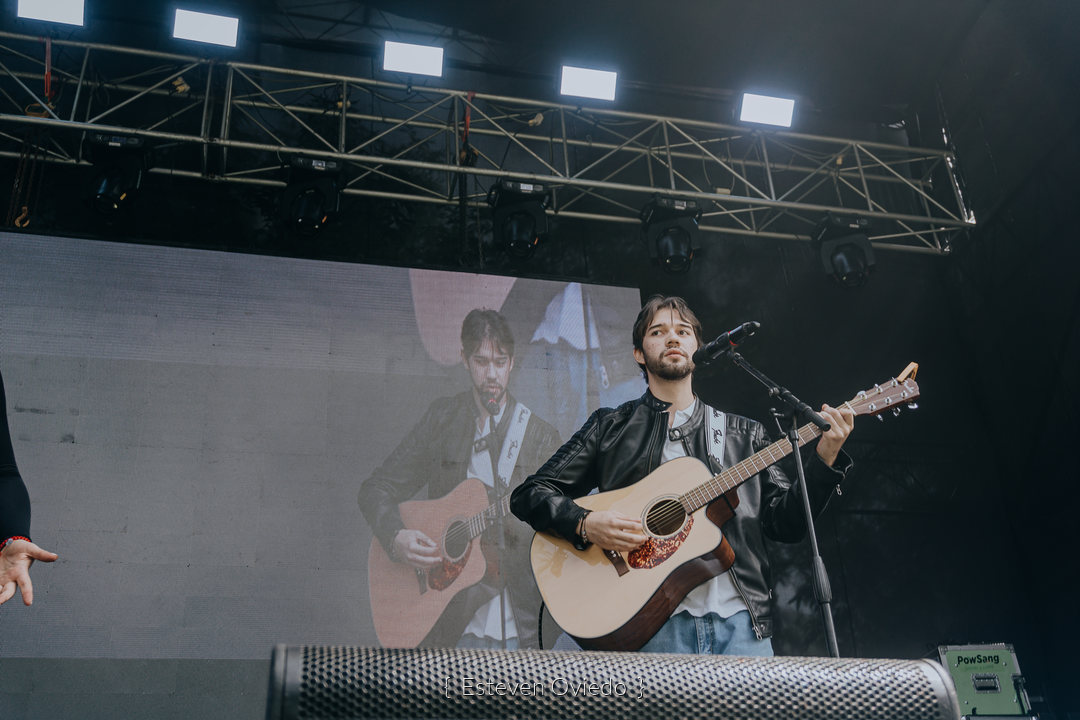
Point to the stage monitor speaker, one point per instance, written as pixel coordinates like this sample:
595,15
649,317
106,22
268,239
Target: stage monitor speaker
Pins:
312,682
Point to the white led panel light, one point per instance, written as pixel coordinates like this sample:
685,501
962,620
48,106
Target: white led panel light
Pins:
69,12
413,59
206,28
582,82
767,110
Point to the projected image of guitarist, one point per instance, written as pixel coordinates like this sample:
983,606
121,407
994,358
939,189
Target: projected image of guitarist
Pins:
452,569
640,565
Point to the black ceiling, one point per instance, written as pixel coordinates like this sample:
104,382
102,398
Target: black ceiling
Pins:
873,53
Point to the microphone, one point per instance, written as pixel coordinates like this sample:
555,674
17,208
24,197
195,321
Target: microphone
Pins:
726,342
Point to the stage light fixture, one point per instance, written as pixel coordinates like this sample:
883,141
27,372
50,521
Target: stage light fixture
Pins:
767,110
670,228
120,162
582,82
413,59
312,195
844,248
68,12
519,222
206,28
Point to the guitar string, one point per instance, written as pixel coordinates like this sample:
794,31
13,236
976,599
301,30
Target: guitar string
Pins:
724,482
734,476
739,473
475,525
705,493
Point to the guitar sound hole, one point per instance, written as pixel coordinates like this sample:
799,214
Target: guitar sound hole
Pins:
665,518
456,540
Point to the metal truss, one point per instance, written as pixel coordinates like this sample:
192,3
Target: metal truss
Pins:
240,122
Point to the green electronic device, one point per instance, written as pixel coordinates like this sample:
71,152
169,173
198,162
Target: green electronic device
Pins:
988,680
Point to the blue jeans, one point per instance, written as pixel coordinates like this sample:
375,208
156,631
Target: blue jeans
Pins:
709,635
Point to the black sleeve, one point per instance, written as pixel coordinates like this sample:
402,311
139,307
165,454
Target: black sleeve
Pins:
14,500
782,517
407,470
545,499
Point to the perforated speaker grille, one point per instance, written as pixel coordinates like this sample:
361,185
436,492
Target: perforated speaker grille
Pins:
346,682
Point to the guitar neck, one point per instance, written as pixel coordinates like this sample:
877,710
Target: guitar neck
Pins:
889,395
489,516
739,473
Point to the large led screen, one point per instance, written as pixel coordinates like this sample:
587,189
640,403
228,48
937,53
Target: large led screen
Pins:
209,439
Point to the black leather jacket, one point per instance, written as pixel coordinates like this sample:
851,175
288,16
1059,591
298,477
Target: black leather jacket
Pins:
617,447
14,500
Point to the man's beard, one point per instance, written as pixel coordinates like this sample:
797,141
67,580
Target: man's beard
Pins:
668,371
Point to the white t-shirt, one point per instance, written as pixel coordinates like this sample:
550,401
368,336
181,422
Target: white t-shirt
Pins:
488,620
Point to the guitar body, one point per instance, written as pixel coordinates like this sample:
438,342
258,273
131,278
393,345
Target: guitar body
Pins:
407,602
604,609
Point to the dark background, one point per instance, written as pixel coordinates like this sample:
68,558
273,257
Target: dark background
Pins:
956,528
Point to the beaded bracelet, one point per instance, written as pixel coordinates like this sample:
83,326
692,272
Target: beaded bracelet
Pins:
13,538
582,533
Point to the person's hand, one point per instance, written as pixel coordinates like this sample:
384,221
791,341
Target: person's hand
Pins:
842,421
612,530
15,561
413,547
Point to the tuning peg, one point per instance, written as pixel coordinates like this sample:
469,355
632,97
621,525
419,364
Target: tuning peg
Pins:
896,412
912,406
880,418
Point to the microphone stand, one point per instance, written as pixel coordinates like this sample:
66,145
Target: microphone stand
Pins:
799,409
504,594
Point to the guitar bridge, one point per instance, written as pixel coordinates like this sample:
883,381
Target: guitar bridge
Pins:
617,561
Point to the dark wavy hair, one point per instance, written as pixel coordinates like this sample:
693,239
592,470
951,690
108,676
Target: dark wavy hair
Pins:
654,305
481,324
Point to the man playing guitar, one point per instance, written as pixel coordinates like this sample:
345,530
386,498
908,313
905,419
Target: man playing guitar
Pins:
728,613
440,566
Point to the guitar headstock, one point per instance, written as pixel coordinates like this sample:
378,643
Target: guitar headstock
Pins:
892,394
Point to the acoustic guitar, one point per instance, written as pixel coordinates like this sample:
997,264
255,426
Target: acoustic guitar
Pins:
611,600
406,602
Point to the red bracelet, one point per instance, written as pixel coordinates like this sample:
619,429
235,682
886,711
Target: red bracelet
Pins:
14,537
